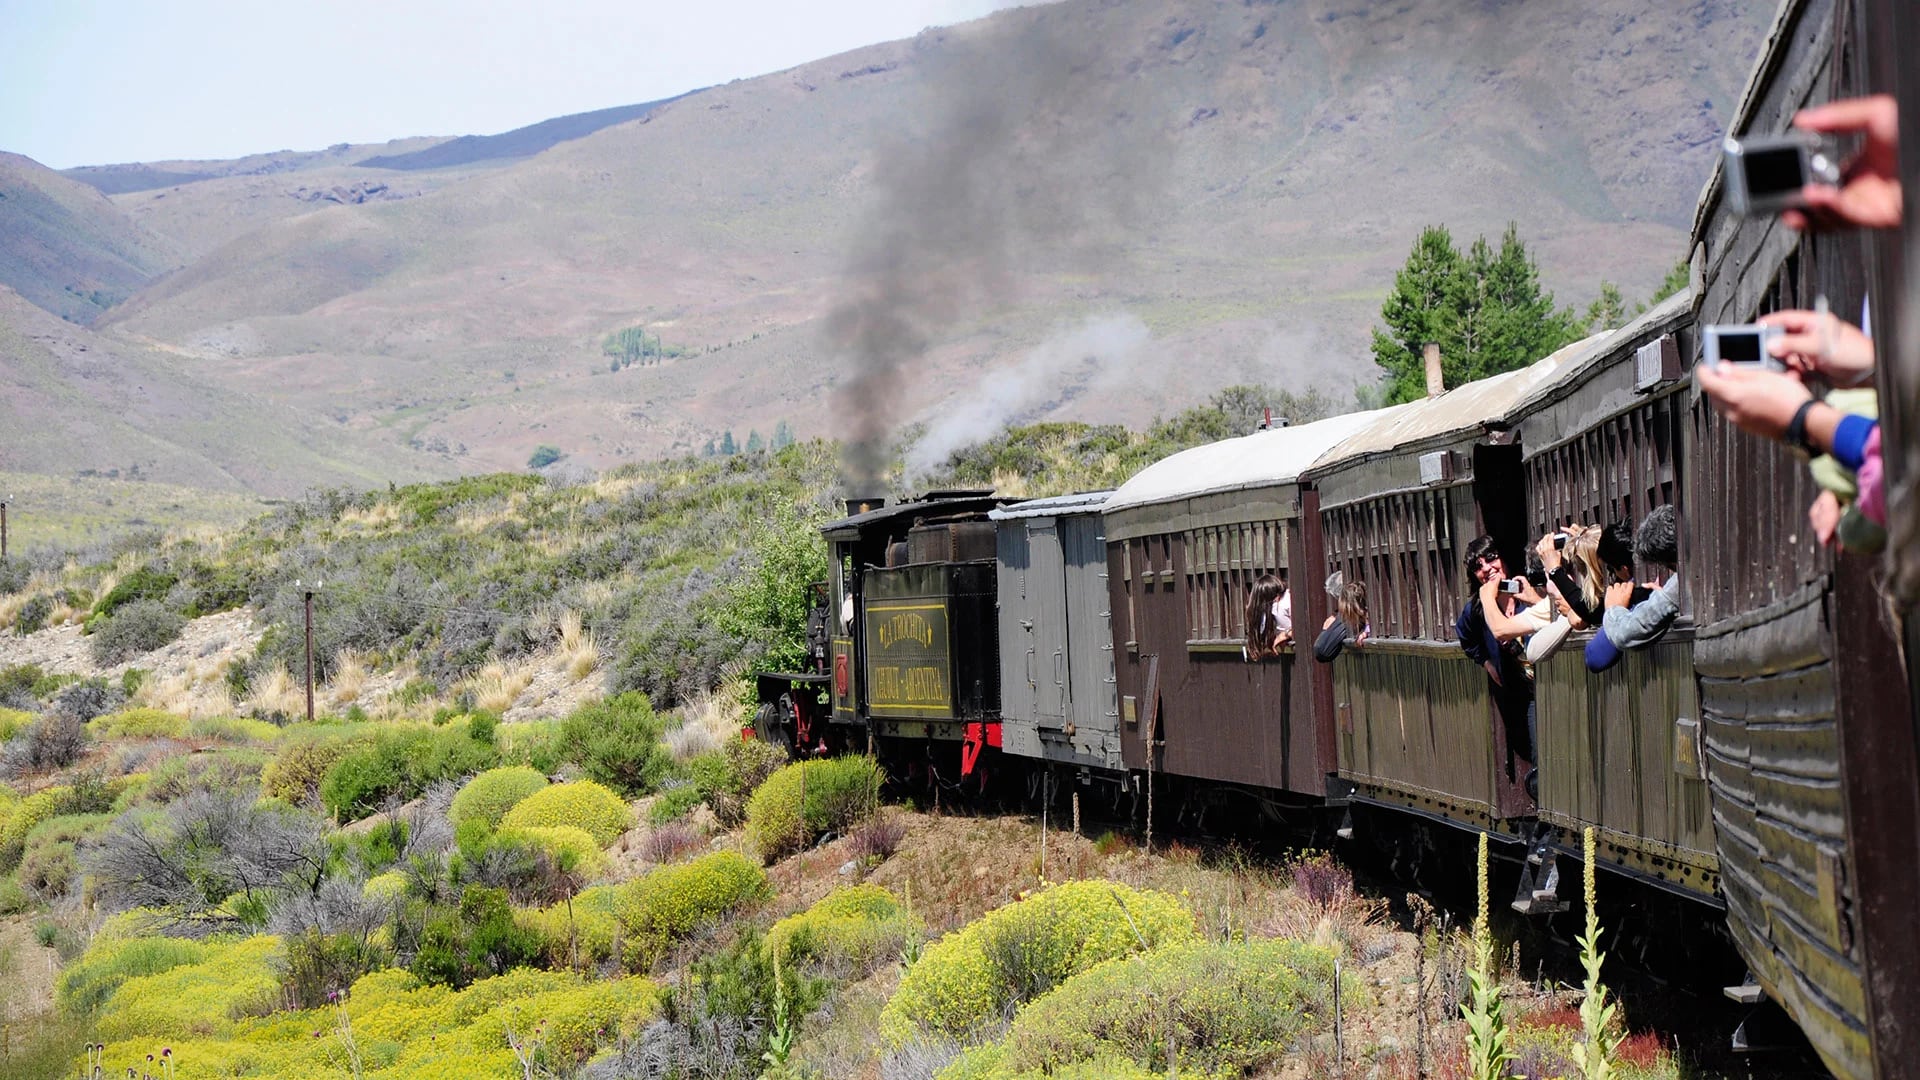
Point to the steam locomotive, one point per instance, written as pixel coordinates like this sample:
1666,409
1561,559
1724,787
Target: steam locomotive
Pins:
1755,761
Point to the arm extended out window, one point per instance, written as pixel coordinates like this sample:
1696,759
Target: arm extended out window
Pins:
1222,564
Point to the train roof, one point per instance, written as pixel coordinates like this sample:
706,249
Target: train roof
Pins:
939,505
1085,502
1468,407
1261,459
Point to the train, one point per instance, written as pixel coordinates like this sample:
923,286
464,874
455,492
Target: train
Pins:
1757,763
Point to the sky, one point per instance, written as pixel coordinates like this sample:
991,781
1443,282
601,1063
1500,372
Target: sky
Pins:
95,82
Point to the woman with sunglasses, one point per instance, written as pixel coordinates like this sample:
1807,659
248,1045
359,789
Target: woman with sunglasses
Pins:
1493,628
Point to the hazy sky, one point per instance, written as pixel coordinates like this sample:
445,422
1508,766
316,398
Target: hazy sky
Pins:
92,82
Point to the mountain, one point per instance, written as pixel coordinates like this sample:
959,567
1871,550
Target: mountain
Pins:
1096,209
518,143
66,248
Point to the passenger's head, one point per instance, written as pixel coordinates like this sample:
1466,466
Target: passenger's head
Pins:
1352,605
1483,560
1657,541
1583,558
1262,627
1616,548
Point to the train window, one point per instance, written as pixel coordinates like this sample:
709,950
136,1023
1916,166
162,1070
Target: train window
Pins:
1222,565
1615,471
1402,547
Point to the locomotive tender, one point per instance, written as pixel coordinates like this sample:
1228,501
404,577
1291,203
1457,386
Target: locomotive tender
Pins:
1758,760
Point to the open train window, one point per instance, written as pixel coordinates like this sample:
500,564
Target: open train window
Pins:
1614,471
1222,564
1402,547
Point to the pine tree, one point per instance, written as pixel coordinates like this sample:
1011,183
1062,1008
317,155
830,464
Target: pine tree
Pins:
1608,310
754,443
707,450
727,446
782,435
1485,310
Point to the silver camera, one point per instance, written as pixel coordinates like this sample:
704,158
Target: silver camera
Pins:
1511,586
1745,345
1765,173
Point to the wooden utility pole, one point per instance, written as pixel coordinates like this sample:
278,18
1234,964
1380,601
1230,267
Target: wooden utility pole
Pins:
4,500
307,591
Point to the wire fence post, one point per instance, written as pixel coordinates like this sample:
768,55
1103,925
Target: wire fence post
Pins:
307,592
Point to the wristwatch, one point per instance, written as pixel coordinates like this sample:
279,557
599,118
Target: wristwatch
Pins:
1796,436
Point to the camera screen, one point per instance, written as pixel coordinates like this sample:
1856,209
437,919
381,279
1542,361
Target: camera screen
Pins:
1740,347
1773,170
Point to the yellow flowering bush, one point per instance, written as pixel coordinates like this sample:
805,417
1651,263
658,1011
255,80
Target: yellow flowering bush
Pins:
93,978
848,930
583,804
1012,954
27,813
584,931
989,1062
12,720
671,902
1214,1008
237,729
391,885
232,980
403,1030
563,840
138,724
807,799
488,796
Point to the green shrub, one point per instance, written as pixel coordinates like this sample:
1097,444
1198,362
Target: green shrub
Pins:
91,980
477,939
533,743
321,966
296,771
671,902
398,764
728,777
583,803
12,721
47,864
543,456
989,1062
979,973
1215,1009
138,724
488,796
234,729
33,615
848,932
147,584
617,743
808,799
139,627
673,804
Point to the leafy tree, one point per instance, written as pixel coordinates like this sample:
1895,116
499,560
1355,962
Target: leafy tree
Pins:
1608,310
1485,310
543,456
766,605
727,445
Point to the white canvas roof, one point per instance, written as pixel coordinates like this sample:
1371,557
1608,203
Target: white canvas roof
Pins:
1262,459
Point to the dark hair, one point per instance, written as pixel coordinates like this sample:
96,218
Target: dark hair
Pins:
1482,547
1616,545
1262,627
1352,606
1657,541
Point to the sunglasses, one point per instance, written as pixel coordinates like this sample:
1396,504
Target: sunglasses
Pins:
1485,561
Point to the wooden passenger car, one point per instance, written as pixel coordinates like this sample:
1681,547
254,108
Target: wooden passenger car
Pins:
1186,539
1792,652
1621,750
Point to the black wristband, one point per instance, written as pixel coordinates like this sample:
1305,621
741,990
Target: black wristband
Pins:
1797,428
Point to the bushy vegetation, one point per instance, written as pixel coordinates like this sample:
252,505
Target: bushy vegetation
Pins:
139,627
727,778
582,804
1212,1009
979,974
808,799
671,902
399,762
848,933
488,796
617,743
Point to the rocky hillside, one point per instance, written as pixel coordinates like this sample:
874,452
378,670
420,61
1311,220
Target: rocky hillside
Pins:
1094,209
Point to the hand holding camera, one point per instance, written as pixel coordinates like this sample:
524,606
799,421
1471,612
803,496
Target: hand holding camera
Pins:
1817,341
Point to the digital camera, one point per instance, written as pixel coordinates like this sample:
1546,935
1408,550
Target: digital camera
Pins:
1745,345
1765,173
1511,586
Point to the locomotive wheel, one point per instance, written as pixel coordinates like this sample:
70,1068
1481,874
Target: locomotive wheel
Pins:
769,729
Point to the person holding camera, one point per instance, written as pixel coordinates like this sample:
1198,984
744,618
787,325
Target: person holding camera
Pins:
1575,577
1637,615
1492,629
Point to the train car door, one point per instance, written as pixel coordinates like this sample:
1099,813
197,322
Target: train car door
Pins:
1045,663
1500,501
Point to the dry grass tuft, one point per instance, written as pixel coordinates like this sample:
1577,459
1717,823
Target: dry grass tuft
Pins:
277,692
349,678
706,723
499,685
579,652
373,518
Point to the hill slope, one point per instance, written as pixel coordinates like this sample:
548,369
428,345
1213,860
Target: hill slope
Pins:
1230,185
66,248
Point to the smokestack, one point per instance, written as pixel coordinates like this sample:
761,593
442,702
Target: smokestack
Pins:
1266,418
1435,385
